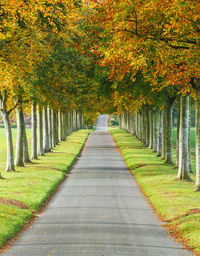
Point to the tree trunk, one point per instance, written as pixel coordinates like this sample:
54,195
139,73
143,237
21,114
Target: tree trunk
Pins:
34,132
140,124
134,123
144,125
53,119
25,150
160,133
45,131
147,127
10,154
19,155
168,156
197,131
56,131
40,131
64,135
60,126
177,132
189,139
49,116
164,135
26,158
155,130
151,130
183,170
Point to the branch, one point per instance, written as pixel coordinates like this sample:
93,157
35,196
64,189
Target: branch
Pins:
18,102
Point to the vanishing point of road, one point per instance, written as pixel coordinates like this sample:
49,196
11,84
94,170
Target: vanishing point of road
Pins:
98,211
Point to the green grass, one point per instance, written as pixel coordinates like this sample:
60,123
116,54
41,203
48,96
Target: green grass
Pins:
33,183
174,200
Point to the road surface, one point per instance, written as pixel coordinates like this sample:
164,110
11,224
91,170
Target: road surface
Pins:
98,211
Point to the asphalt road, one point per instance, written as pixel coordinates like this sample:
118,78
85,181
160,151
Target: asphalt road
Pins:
98,211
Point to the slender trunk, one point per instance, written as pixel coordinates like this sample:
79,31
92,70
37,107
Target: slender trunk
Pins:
56,131
160,131
155,130
69,123
168,156
34,132
144,125
151,130
64,129
134,123
137,127
45,131
19,155
177,132
128,122
25,150
147,136
10,151
59,126
26,158
183,170
53,128
140,124
164,135
40,131
49,117
189,139
197,131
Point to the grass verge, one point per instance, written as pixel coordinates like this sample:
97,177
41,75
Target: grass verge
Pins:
175,201
23,192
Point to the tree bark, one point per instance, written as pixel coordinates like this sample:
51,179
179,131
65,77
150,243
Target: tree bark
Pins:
155,130
19,155
168,137
49,117
137,127
177,132
45,131
189,139
25,150
26,158
144,125
59,126
140,125
183,170
147,128
10,151
134,123
164,135
53,119
34,132
151,130
40,131
160,133
197,132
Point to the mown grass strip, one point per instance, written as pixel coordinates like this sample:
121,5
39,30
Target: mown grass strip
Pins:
174,200
33,184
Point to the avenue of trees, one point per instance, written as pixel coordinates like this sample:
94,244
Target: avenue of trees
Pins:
151,52
43,74
69,59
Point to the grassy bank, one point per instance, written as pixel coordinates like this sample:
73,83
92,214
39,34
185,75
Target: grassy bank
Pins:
175,201
24,191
